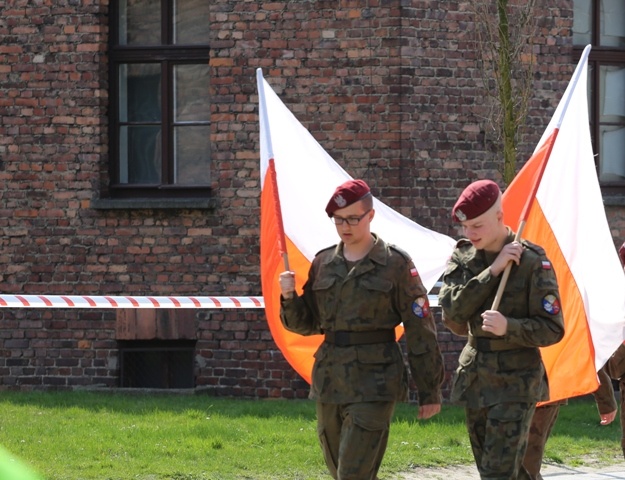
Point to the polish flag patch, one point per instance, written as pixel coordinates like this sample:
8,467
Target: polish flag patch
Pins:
413,272
546,265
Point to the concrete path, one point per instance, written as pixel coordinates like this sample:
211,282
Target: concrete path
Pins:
549,472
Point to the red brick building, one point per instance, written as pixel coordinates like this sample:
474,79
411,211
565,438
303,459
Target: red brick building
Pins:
129,161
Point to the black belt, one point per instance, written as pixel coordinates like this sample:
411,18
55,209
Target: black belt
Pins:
344,338
483,344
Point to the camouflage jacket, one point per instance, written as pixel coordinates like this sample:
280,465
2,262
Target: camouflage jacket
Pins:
380,292
501,369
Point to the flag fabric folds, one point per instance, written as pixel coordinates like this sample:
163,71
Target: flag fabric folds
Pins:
305,178
568,219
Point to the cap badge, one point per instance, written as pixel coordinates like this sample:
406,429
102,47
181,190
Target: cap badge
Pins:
340,201
461,216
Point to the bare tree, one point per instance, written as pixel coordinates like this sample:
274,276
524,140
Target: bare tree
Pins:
505,31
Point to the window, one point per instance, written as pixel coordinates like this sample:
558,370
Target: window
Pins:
601,23
159,105
157,364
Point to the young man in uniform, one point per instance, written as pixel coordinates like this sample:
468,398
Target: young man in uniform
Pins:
500,376
357,292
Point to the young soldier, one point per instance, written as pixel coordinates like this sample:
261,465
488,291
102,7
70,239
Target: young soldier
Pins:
500,376
357,292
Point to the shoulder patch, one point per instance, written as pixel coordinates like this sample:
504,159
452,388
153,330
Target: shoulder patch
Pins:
421,307
551,304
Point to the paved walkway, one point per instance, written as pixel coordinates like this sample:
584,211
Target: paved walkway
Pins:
549,472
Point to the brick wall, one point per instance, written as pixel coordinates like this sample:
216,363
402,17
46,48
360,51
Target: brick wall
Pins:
389,88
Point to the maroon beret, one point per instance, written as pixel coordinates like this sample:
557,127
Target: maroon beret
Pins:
475,200
621,254
347,193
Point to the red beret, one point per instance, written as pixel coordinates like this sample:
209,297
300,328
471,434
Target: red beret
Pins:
475,200
621,254
347,193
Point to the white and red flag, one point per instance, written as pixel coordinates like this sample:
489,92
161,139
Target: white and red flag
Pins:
298,178
568,219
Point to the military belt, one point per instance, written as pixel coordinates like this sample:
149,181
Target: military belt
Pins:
482,344
343,338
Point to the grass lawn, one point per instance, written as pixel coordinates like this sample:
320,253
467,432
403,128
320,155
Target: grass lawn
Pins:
94,435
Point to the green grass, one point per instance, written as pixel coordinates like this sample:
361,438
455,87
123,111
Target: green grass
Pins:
87,435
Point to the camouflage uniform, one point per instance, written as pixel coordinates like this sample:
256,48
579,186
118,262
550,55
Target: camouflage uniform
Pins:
356,385
500,379
616,369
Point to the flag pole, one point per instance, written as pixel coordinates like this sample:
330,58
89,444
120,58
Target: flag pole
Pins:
271,170
539,175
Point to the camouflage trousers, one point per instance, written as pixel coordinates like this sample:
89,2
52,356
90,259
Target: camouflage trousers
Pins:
543,421
498,436
353,437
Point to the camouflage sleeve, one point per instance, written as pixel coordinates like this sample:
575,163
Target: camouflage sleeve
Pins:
460,329
544,324
424,355
299,314
462,299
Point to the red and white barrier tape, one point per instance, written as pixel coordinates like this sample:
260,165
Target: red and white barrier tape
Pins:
80,301
86,301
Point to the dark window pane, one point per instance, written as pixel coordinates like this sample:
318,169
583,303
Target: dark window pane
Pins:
140,154
139,22
140,92
192,155
191,22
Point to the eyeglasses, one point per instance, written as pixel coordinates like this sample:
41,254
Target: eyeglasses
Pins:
350,220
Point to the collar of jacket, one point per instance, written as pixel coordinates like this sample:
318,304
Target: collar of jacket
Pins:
377,254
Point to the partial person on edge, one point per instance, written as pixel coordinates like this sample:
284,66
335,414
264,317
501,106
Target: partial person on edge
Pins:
356,293
615,366
500,376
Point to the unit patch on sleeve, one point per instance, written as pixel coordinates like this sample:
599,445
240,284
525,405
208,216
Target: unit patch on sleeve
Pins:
421,307
551,304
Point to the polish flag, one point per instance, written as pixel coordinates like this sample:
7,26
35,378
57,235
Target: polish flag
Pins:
297,179
567,218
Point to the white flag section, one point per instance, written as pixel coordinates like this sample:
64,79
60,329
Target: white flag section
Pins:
568,219
297,180
571,200
307,177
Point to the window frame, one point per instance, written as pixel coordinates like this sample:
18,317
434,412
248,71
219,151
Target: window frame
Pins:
168,56
599,56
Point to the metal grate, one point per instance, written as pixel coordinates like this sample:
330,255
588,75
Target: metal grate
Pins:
157,363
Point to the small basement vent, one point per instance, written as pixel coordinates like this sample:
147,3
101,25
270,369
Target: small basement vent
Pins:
157,363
